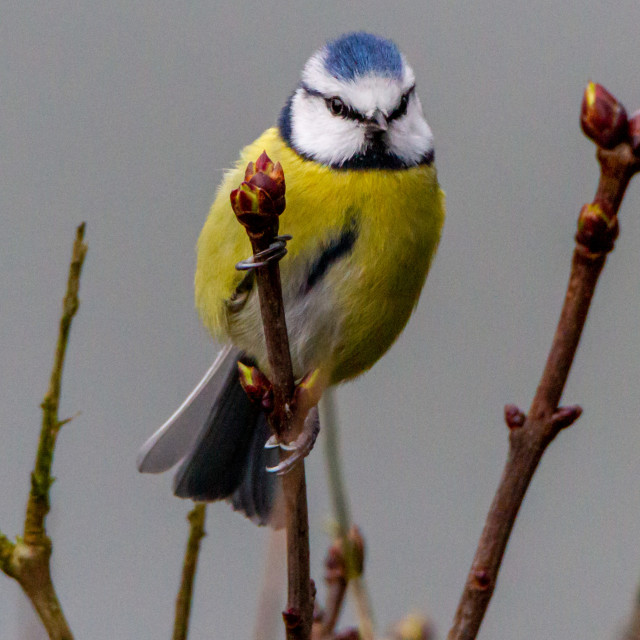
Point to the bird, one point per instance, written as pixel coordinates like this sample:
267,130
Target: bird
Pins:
365,212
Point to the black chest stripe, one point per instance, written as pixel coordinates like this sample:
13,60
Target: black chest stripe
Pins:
335,250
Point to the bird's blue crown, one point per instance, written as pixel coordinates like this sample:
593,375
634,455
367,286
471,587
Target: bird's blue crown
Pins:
360,53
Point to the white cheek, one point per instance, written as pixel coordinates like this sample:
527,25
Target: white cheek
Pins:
322,136
410,137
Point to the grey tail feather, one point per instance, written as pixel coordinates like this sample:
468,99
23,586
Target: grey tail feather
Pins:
228,460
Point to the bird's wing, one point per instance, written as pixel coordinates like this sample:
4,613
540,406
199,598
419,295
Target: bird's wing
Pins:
173,439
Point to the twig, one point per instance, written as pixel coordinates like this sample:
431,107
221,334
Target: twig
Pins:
530,435
27,559
333,460
341,509
257,204
335,578
196,518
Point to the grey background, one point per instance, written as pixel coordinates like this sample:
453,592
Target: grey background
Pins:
124,115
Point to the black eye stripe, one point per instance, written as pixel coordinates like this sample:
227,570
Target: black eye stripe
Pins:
351,114
401,109
338,108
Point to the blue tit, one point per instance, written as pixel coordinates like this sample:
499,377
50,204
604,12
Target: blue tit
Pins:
365,212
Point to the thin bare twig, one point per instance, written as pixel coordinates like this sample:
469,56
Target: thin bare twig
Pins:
335,577
27,559
340,501
196,518
530,435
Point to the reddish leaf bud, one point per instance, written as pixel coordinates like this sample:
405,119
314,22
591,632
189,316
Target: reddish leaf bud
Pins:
292,618
513,416
268,177
256,385
602,117
308,392
259,200
565,416
481,579
597,230
634,132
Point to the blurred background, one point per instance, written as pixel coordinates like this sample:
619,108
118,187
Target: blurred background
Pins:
125,115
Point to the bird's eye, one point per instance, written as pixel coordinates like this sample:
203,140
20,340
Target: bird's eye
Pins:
337,107
401,109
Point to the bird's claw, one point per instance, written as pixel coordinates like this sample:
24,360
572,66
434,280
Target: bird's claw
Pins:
273,253
300,447
272,443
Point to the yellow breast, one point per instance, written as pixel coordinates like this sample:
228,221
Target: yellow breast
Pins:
367,296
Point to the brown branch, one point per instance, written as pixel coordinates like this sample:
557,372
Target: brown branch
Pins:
529,436
27,560
196,518
257,204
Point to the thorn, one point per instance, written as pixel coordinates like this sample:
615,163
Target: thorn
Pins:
513,416
69,419
565,416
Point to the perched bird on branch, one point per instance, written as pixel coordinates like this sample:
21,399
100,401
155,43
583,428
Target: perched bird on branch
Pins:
365,212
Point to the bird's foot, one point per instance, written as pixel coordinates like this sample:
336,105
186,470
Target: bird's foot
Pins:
303,409
300,447
273,253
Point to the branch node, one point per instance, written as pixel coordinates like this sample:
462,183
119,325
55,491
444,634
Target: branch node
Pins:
513,416
597,229
292,618
6,553
480,579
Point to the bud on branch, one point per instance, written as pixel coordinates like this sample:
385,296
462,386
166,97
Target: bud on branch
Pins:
259,200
